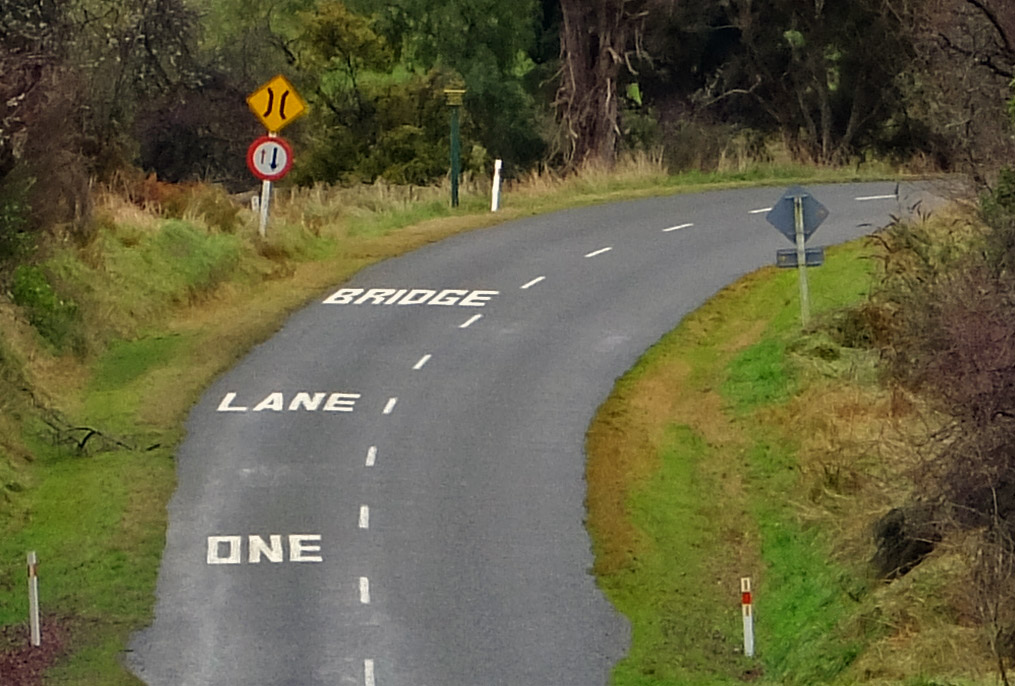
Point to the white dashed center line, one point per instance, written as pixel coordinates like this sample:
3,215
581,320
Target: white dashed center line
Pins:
422,361
389,408
364,517
876,197
364,590
368,673
532,283
599,252
371,456
760,210
678,228
472,320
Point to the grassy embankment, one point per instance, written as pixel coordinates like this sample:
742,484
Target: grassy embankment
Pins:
741,446
138,322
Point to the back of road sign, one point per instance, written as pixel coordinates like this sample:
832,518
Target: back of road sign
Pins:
782,216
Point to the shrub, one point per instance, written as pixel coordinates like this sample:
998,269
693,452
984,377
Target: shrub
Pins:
55,318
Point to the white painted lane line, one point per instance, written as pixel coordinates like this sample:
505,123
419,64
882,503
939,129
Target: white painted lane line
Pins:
422,361
678,228
364,590
600,251
364,517
760,210
532,283
371,456
864,198
390,407
368,673
472,320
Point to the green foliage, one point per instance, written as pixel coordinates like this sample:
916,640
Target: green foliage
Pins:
15,240
55,317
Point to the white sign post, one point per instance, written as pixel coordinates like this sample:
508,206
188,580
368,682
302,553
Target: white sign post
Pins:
33,599
747,608
495,202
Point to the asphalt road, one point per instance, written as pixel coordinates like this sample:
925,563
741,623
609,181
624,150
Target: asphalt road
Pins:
415,518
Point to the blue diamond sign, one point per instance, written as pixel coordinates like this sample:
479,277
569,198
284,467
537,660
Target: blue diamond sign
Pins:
781,215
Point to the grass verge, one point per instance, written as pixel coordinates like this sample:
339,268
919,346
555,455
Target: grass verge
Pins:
741,446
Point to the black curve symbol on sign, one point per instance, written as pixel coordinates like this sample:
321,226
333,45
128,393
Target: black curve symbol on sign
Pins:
271,103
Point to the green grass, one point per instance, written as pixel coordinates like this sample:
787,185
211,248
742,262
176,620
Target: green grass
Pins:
713,511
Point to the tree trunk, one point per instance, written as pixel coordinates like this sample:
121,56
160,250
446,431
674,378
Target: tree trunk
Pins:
593,49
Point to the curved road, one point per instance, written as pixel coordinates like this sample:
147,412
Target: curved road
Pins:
390,491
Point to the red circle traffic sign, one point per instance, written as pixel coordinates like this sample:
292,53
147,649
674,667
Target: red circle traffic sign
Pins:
270,158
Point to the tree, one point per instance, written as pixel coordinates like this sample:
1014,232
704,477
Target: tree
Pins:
597,41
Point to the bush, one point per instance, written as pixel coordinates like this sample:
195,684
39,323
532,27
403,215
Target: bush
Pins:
55,318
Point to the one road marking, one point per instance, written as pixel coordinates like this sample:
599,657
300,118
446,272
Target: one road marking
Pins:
422,361
472,320
364,517
532,283
368,673
389,408
876,197
364,590
599,252
371,456
678,228
760,210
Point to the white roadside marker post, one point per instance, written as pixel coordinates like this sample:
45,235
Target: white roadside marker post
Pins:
33,598
747,608
495,201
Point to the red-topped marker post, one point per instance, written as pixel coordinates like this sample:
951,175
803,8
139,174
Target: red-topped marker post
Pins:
747,609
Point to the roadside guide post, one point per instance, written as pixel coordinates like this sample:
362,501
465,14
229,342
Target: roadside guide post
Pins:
33,599
797,215
275,104
454,96
747,609
495,195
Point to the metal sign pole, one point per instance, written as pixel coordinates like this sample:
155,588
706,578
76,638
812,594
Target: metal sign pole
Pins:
265,201
801,256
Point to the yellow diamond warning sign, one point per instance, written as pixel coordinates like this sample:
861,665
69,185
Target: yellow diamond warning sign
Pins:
276,103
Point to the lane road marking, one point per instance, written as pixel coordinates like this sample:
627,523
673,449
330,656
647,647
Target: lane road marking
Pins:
600,251
364,517
390,407
678,228
760,210
368,673
371,456
472,320
864,198
422,361
532,283
364,590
